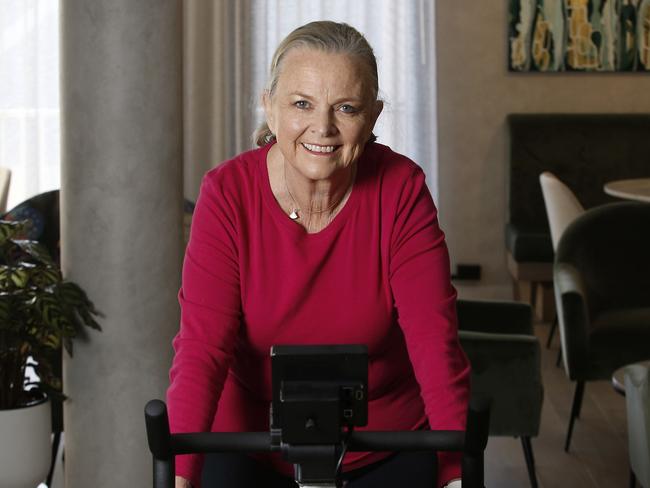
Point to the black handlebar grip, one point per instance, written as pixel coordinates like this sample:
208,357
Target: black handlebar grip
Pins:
478,424
158,436
163,473
476,437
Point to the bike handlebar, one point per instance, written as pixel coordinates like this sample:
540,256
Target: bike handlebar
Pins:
164,445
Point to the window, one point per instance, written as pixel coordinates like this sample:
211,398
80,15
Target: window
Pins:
29,96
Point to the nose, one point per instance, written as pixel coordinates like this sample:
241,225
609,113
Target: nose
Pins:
323,124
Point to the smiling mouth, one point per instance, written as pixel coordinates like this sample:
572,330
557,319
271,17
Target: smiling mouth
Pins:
317,149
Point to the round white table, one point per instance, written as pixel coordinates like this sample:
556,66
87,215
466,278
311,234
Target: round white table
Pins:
634,189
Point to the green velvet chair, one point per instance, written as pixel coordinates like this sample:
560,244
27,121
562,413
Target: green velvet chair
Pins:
637,399
506,367
602,293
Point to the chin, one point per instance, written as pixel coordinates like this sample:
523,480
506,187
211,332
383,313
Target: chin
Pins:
318,171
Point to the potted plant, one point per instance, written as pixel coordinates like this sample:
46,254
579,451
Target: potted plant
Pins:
40,313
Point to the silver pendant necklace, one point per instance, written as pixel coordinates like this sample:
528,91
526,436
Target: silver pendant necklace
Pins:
295,215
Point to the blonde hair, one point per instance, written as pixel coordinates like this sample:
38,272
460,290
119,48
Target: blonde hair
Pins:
327,36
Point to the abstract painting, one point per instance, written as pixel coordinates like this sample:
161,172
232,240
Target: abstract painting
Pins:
579,35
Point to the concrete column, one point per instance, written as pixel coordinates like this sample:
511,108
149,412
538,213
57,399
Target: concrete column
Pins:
121,205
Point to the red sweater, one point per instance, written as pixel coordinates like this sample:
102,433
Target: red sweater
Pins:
378,275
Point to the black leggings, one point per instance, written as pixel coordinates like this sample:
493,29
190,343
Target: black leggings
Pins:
232,470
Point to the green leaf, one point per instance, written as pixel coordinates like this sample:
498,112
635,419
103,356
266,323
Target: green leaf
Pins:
19,277
45,277
10,229
5,309
40,313
35,250
13,277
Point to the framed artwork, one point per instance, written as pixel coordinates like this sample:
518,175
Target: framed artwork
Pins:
579,35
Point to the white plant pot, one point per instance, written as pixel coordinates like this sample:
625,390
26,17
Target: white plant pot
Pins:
25,445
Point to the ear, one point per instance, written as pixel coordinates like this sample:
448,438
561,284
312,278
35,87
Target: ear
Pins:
376,109
379,106
267,103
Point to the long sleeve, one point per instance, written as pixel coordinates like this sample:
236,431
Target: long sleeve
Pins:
210,316
252,278
425,301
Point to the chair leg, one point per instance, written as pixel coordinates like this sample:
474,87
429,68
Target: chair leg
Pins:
582,394
575,411
551,332
530,460
632,479
558,359
533,295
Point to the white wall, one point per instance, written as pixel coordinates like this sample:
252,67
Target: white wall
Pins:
475,93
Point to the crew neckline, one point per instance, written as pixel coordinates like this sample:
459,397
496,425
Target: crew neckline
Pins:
282,218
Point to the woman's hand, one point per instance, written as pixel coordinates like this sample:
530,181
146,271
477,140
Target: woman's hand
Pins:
454,484
182,483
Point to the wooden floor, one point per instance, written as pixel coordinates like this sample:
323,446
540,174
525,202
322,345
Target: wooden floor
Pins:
598,453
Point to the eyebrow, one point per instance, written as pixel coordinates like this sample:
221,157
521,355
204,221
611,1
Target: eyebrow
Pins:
301,95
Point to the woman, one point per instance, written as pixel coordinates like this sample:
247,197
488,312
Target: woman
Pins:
320,236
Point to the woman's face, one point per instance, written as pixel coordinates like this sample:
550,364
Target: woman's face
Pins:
322,112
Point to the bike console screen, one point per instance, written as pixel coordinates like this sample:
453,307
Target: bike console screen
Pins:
317,391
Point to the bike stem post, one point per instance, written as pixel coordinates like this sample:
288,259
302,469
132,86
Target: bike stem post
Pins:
314,466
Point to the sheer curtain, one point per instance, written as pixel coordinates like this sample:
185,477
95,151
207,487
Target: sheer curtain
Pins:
228,48
29,96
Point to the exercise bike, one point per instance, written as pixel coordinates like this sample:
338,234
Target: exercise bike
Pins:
319,397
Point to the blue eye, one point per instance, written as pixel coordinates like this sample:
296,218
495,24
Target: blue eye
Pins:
302,104
348,109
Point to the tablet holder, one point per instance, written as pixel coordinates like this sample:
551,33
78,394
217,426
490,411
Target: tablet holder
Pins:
320,393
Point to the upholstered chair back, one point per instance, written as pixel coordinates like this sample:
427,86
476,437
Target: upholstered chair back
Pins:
610,246
562,206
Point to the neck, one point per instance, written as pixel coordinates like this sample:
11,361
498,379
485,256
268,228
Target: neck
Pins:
317,197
